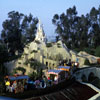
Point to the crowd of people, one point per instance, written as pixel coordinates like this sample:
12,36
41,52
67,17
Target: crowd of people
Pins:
17,86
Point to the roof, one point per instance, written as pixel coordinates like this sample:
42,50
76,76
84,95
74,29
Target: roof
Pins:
18,77
53,71
65,67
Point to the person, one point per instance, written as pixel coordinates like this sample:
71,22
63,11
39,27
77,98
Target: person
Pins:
49,81
45,81
11,88
69,63
7,83
37,83
42,84
25,86
55,79
14,86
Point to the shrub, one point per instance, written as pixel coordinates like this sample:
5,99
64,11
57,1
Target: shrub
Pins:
58,44
49,45
34,51
97,51
36,41
87,62
89,50
20,69
59,57
27,61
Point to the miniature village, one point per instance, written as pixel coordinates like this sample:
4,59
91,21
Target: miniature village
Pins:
53,63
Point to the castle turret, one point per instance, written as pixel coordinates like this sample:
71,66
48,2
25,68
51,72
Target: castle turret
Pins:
40,35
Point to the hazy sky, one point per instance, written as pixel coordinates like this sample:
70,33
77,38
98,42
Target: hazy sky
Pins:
44,9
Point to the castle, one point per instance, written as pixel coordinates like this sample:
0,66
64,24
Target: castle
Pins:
48,54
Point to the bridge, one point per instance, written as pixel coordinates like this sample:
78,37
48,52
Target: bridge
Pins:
86,73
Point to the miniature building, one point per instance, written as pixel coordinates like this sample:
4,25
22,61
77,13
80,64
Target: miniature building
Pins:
40,35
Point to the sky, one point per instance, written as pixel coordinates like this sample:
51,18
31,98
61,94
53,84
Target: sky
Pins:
45,10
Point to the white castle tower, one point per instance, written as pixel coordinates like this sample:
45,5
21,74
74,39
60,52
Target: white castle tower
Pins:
40,35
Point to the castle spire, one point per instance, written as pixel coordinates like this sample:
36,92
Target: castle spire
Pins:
39,27
40,35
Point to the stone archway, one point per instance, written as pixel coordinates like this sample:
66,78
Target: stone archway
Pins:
91,77
83,78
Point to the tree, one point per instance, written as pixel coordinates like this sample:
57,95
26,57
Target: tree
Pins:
97,51
11,32
36,65
3,58
95,27
3,53
59,57
78,31
23,70
66,24
29,27
17,29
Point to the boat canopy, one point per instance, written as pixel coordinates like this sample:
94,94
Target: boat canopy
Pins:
12,78
54,71
65,68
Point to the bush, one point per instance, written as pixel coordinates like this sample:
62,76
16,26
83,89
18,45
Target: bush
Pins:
27,61
86,62
58,45
49,45
34,51
23,70
97,51
33,75
36,41
89,50
76,50
59,57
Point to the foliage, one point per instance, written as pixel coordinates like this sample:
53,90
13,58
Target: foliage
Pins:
97,51
14,57
86,62
78,31
23,70
34,51
3,70
37,41
33,76
17,30
27,61
14,71
89,50
58,45
48,45
3,53
59,57
35,64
